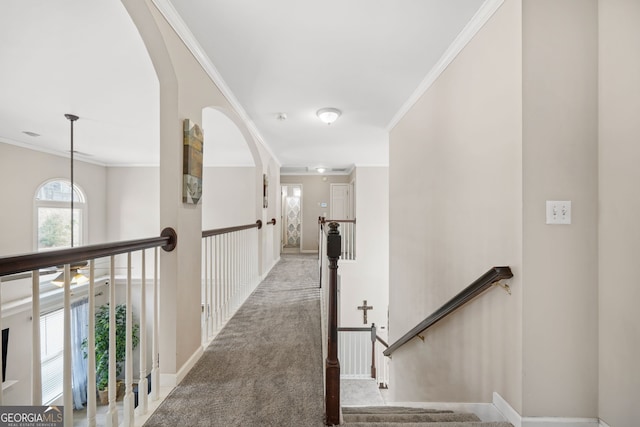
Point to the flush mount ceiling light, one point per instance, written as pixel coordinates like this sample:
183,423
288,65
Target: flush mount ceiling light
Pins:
320,170
328,115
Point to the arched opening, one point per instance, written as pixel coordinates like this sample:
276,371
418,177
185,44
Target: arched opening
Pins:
229,175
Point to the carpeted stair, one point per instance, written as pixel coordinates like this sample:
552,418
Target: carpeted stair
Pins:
393,416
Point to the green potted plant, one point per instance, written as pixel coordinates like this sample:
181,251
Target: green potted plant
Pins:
102,345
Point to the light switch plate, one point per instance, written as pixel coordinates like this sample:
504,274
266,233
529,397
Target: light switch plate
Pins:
559,212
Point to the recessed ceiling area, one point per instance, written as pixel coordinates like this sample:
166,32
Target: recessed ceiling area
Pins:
83,58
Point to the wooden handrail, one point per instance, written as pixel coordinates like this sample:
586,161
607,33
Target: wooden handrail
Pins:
218,231
37,260
351,329
323,220
480,285
383,342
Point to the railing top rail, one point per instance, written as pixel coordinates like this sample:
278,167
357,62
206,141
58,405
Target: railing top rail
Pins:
480,285
351,329
219,231
37,260
325,220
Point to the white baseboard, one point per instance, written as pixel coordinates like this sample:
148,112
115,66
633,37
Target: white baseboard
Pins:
603,424
172,380
268,270
519,421
485,411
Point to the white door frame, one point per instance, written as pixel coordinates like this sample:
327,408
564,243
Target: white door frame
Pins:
284,223
349,199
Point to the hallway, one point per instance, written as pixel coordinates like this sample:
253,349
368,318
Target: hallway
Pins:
265,365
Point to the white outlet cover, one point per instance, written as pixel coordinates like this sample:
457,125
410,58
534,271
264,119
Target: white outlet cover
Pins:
559,212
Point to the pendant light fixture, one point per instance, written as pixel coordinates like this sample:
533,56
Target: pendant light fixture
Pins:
77,278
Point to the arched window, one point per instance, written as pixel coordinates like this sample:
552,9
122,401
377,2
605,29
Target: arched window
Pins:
53,215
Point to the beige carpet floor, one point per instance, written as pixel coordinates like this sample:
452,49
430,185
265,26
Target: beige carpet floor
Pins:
265,367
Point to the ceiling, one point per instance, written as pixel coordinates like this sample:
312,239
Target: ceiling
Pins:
364,57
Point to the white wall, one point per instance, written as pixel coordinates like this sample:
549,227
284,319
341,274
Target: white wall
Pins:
133,200
560,268
455,197
315,190
367,278
228,197
619,209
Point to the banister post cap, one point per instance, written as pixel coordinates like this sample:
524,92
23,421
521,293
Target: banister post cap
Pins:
334,241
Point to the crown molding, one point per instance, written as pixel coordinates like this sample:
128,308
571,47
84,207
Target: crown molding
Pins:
486,11
64,154
173,18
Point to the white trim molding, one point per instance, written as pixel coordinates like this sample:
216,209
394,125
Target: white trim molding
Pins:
486,11
172,380
182,30
519,421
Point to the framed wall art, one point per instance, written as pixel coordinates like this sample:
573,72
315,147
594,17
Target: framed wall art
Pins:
265,191
192,163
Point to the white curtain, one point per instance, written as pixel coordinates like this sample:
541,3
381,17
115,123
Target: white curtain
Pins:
79,328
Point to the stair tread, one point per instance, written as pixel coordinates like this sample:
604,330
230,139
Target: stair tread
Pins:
410,418
435,424
391,410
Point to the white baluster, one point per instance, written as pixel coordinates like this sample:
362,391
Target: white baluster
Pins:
91,348
112,412
214,282
36,362
236,281
142,382
219,281
205,297
227,277
155,363
128,356
1,391
67,391
245,276
211,283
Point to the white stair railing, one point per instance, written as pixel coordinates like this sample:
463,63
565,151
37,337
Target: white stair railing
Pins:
361,354
229,274
31,265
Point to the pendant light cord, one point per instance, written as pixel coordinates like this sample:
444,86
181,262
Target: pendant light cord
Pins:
72,118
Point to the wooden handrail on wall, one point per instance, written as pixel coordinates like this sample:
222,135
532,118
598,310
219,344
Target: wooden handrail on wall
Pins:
37,260
481,284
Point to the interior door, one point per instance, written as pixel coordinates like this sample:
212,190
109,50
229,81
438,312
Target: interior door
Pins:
340,201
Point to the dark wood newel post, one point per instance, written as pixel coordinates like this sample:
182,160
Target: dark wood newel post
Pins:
332,392
373,350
